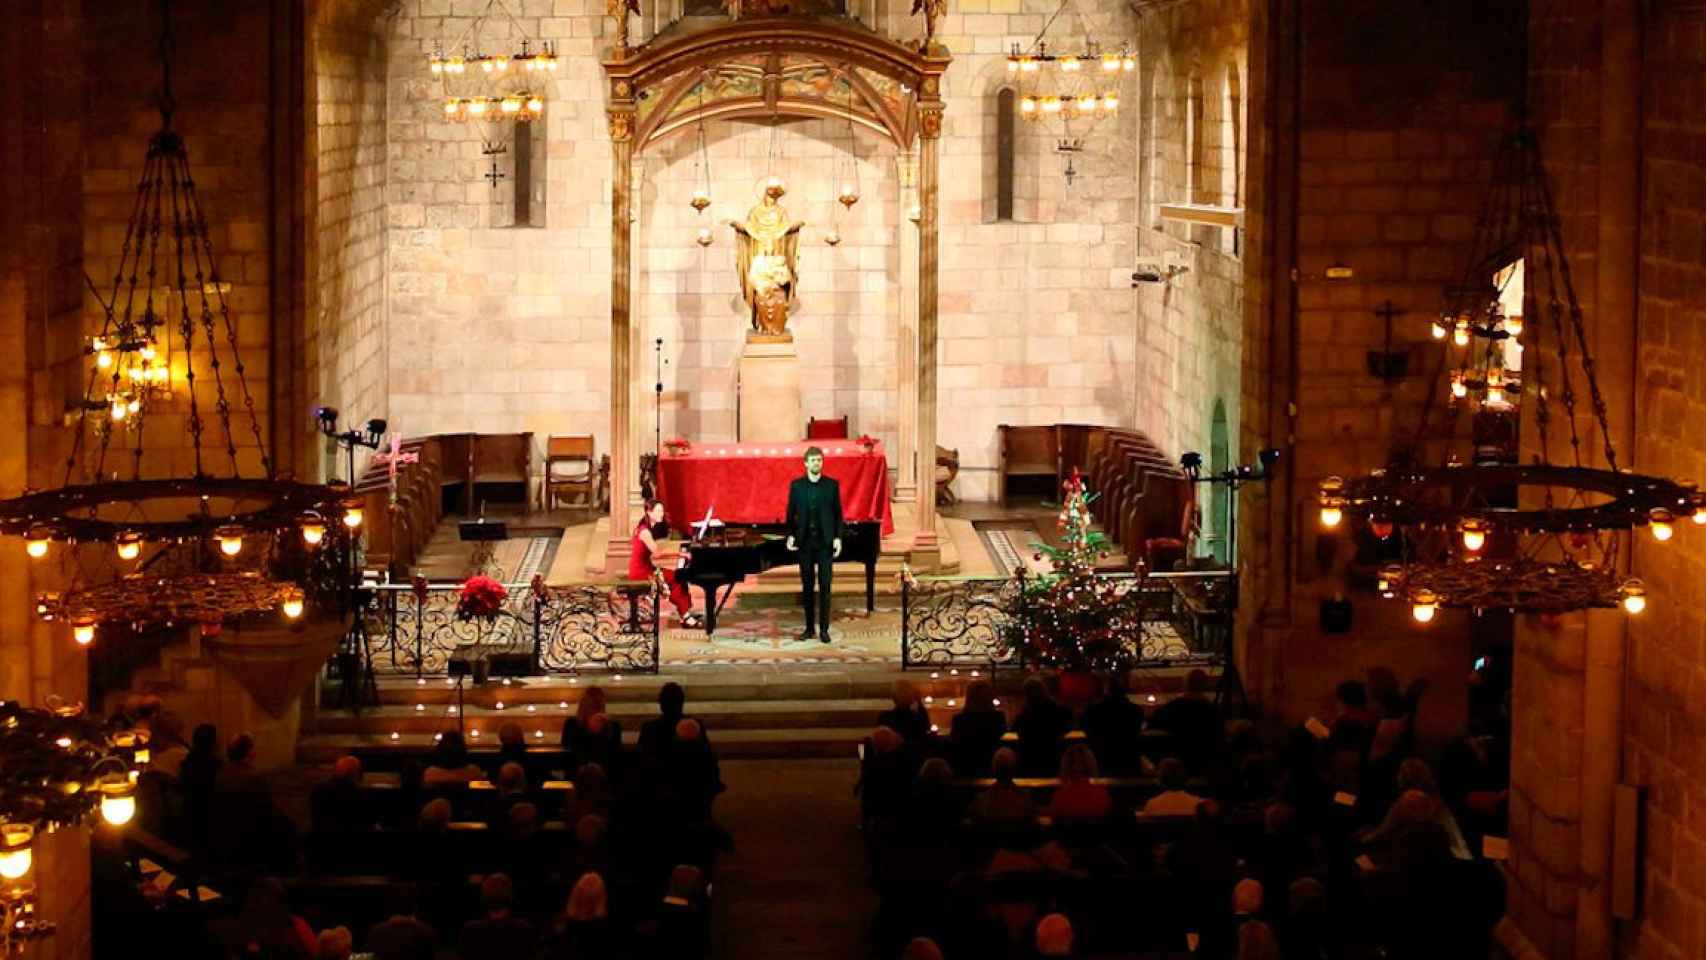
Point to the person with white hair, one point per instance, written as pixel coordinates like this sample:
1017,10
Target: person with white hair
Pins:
1054,936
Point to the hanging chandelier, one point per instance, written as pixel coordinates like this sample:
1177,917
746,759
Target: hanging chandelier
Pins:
702,169
1071,91
181,530
57,766
1484,530
487,87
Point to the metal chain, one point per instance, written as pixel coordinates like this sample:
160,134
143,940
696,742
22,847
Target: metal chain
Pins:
199,226
187,328
183,212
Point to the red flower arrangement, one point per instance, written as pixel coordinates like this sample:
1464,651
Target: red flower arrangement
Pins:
867,441
677,445
480,597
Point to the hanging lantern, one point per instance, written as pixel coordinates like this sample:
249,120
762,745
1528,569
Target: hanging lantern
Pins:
1634,594
118,800
1332,501
535,105
1460,334
352,513
848,196
291,605
313,529
701,198
1380,527
833,238
1388,579
16,839
1438,330
1474,532
704,239
1423,605
1660,521
1513,325
129,545
230,540
37,541
83,630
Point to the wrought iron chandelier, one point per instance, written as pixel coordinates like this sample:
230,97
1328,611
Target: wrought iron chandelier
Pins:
490,87
1484,530
57,765
161,534
1075,90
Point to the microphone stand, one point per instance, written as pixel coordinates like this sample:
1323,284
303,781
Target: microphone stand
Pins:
657,404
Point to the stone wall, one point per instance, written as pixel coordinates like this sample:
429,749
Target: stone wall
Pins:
1037,318
347,343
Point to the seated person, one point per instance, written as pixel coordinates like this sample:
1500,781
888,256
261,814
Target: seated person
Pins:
450,765
1040,725
641,566
590,735
1003,804
1173,800
337,804
1114,724
907,717
1077,798
497,934
976,731
1193,720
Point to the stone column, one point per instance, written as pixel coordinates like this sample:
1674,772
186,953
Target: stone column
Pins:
908,479
924,463
622,459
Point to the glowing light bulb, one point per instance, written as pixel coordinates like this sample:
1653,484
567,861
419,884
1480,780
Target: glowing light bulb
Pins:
1660,520
1459,389
313,530
1069,64
1380,527
1110,63
1698,516
37,541
1460,335
511,105
352,515
536,104
704,239
118,801
1330,516
15,842
292,605
1332,501
1028,106
452,107
1110,101
119,410
1086,103
1474,534
1513,325
1012,65
1128,63
1438,330
83,630
230,540
129,546
701,198
104,359
1634,595
477,106
1423,606
1495,396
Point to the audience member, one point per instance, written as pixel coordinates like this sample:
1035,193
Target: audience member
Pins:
1003,805
591,797
337,804
512,789
657,735
1256,942
1040,725
335,944
249,828
976,731
591,735
1173,800
584,929
403,936
498,934
512,748
1114,725
922,948
1054,936
450,766
907,717
1194,721
266,926
1077,798
693,776
1354,722
681,929
197,775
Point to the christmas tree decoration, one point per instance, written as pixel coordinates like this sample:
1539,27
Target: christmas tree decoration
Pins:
1069,618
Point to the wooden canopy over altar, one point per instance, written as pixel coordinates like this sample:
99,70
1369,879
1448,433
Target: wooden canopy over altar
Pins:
762,68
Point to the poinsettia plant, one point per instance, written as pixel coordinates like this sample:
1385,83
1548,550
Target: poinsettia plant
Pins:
481,597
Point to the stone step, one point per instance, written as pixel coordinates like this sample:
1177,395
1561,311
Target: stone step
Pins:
718,715
643,688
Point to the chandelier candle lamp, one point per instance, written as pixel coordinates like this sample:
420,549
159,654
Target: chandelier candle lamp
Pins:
142,538
1494,525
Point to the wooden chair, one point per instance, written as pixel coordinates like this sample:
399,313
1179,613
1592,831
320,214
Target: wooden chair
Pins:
505,459
836,429
947,468
1028,451
571,470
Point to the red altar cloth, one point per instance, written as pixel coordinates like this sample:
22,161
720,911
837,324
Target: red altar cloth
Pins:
748,482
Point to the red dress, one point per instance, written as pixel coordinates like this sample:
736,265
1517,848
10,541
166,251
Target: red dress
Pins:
640,567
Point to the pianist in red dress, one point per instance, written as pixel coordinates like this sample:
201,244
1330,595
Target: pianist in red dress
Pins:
641,546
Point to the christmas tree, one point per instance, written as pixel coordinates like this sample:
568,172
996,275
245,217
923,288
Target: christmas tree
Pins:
1067,618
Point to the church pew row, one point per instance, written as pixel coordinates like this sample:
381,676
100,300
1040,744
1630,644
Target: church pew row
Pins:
440,471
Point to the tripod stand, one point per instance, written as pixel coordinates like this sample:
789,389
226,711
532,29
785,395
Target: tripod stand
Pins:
355,659
1231,684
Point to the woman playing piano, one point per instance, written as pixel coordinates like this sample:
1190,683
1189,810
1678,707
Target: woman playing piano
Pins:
641,566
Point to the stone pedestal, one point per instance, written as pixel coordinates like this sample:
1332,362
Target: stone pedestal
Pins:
769,389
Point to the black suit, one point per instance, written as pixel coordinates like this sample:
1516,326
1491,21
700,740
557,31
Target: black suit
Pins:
814,521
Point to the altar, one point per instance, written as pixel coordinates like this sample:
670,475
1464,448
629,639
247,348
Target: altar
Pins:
747,483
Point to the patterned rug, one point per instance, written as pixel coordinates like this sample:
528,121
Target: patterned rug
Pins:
762,629
1012,545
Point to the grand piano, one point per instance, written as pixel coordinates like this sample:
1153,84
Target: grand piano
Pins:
746,551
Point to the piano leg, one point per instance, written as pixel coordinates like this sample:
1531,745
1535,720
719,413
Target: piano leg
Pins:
870,586
710,593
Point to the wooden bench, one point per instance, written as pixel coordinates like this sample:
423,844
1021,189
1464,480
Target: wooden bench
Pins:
1028,452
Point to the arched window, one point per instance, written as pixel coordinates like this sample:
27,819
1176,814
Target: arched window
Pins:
1006,114
1219,461
1232,155
1195,149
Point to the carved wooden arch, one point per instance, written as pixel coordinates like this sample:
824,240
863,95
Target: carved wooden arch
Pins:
775,67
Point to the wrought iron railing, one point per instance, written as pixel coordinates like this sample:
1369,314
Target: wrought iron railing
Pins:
416,631
1182,617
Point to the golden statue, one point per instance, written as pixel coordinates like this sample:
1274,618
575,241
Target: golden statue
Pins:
767,258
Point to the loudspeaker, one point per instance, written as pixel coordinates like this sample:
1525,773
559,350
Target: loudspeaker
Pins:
510,664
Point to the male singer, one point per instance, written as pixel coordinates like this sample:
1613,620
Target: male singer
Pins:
814,530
